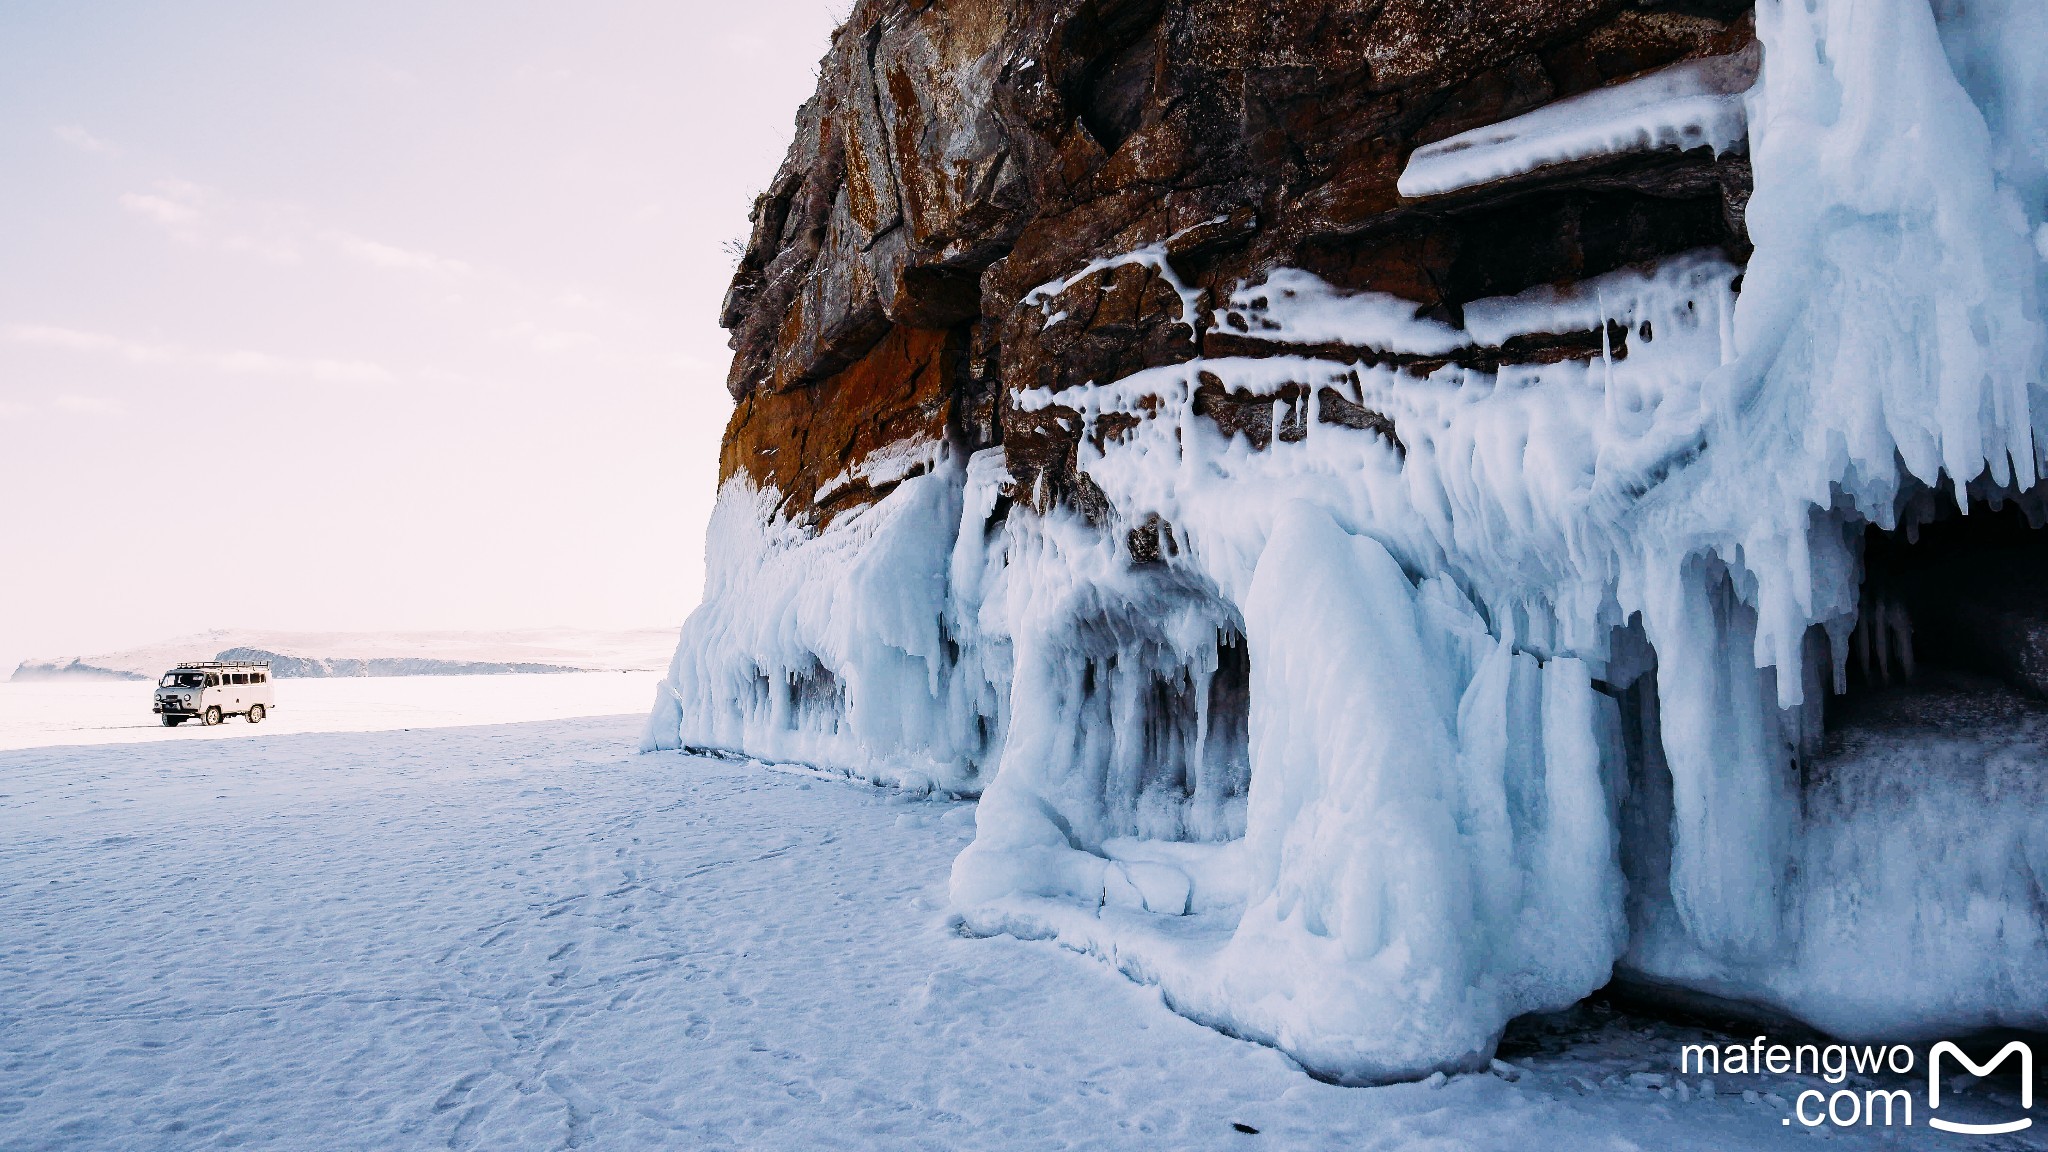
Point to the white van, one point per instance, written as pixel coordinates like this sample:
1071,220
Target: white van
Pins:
212,690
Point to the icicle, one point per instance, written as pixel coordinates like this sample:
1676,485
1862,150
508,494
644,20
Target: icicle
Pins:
1606,346
1198,756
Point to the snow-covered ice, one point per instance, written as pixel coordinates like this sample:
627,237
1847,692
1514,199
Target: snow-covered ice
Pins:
82,710
527,937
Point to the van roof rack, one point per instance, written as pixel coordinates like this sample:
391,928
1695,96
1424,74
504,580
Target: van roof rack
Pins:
224,664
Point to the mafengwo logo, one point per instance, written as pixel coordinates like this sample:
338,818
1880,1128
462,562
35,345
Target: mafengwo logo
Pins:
1847,1107
2026,1056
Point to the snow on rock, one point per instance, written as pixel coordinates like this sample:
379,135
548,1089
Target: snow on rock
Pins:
1696,104
883,468
1151,256
1291,306
1465,678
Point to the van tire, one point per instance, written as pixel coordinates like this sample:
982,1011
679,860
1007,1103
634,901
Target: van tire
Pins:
173,721
255,713
212,716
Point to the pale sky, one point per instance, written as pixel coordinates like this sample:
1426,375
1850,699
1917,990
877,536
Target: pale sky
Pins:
368,315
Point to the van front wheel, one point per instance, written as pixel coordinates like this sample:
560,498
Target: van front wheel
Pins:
255,713
173,721
212,716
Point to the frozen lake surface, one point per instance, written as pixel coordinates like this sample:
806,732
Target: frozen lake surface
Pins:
80,711
525,936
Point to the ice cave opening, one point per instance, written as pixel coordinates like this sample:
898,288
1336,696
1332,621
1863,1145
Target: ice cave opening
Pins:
1165,731
812,700
1952,628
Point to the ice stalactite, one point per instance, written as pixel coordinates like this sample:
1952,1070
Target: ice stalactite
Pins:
1890,321
1734,782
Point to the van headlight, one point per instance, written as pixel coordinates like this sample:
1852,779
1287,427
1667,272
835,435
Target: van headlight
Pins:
188,697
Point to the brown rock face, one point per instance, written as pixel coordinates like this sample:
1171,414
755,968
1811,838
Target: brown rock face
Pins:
960,153
799,439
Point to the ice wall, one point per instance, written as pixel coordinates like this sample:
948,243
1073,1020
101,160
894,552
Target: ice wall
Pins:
832,649
1466,685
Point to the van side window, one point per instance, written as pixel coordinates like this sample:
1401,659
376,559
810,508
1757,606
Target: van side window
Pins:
241,677
259,677
212,681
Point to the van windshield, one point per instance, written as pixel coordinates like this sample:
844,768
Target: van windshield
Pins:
182,680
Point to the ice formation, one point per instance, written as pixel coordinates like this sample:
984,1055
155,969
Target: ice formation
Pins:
1696,104
1466,685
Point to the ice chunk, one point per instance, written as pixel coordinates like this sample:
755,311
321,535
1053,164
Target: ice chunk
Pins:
1149,887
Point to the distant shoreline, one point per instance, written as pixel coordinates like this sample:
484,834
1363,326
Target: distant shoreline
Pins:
34,670
304,668
315,656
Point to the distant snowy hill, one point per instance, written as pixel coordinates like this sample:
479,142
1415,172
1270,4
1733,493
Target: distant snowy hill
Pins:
308,654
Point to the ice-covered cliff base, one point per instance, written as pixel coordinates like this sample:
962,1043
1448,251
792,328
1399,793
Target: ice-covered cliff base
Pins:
1350,820
1460,684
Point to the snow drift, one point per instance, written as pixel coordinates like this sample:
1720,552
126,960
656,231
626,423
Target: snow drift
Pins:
1463,685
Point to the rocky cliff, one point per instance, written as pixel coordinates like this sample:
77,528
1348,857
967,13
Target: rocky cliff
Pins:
1407,512
957,156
